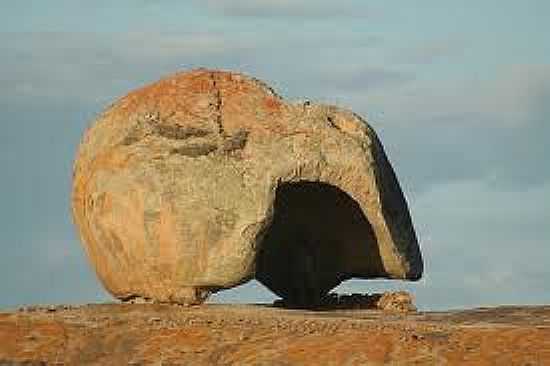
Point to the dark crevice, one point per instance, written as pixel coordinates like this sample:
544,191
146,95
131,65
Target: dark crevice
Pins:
171,132
267,87
232,143
331,123
133,298
131,139
195,150
235,142
136,134
174,132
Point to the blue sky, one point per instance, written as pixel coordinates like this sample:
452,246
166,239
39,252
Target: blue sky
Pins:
458,91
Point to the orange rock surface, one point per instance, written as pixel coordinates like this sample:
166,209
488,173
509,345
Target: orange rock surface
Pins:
114,334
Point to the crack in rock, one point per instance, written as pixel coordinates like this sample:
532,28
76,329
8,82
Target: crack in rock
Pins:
218,104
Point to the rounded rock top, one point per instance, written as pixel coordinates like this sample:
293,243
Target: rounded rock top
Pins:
207,179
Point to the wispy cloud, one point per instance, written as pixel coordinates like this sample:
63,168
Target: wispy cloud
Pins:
90,65
484,245
302,9
428,52
361,78
98,66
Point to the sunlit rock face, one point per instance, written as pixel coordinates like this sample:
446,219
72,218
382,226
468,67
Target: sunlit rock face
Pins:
207,179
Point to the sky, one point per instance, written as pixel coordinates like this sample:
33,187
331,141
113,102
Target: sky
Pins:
459,93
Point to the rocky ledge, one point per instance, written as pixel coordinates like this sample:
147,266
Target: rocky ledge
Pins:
143,334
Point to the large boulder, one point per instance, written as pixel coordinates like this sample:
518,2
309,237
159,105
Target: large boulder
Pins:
207,179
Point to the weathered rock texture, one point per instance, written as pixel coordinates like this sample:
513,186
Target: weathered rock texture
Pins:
206,179
253,335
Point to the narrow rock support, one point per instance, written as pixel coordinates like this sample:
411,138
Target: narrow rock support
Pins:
206,179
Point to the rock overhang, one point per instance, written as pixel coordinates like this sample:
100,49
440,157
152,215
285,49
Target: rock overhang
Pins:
176,185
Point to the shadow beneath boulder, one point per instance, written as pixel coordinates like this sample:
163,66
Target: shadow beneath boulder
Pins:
318,238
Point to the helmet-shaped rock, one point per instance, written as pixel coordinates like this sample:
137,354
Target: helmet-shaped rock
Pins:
207,179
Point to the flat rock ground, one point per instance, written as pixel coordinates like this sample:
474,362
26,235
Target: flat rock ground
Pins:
142,334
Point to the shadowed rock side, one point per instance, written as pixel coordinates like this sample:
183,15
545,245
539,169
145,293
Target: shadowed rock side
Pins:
206,179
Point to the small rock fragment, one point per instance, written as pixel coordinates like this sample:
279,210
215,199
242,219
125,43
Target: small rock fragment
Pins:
396,302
